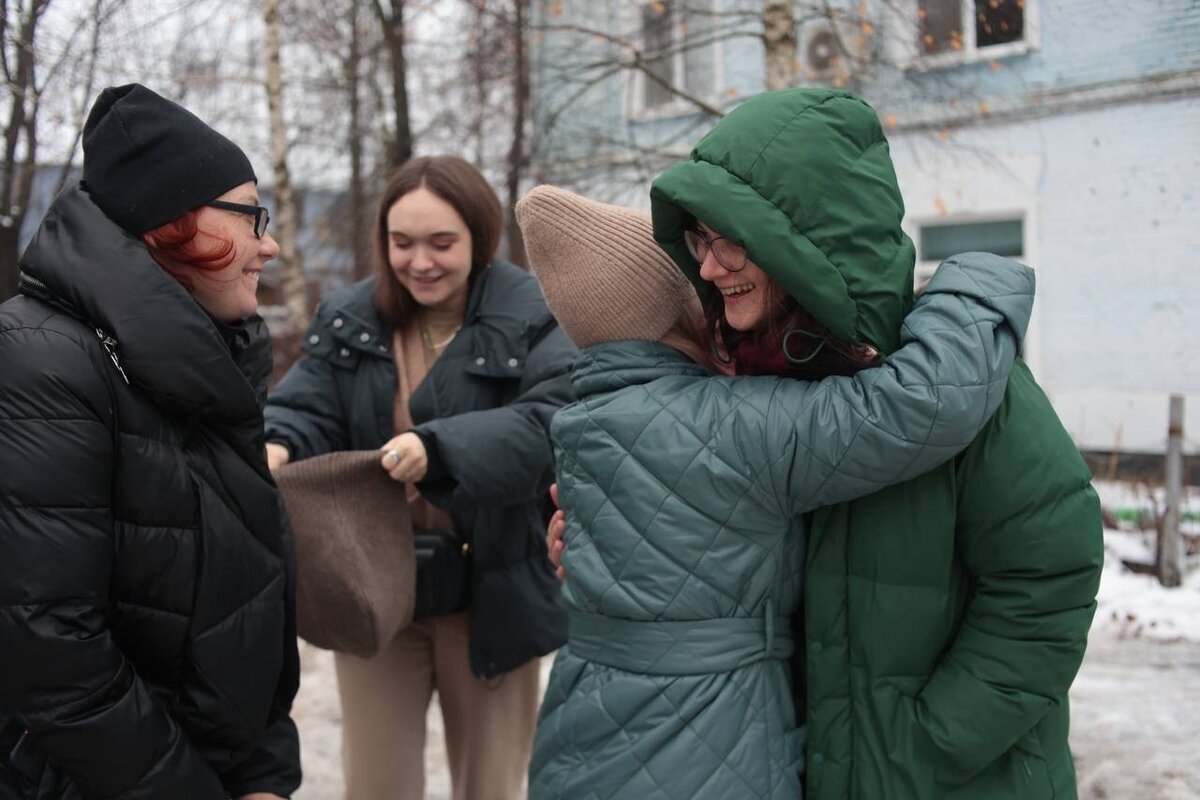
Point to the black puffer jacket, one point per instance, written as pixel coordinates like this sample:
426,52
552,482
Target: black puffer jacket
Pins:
146,617
483,413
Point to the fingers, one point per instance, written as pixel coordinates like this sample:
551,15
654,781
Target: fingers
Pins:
555,531
556,528
277,456
403,462
556,554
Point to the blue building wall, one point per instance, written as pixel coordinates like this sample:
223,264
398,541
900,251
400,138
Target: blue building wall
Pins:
1081,44
1090,137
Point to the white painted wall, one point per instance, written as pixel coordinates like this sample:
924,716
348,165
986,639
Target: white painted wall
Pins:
1111,199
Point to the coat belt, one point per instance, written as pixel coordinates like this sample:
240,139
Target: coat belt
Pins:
679,647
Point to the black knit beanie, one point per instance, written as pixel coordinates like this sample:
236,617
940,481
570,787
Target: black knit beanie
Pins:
147,160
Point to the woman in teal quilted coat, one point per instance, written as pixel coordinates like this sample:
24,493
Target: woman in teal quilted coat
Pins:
687,493
944,618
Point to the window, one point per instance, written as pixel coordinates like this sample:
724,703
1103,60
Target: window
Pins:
971,27
1004,237
675,41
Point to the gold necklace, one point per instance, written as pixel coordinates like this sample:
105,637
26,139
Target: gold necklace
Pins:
428,340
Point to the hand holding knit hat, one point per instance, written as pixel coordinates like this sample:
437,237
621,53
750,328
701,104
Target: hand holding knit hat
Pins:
147,161
604,277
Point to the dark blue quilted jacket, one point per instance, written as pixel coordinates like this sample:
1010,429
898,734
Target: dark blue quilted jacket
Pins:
685,495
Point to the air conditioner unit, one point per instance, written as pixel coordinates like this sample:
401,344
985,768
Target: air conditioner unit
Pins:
833,49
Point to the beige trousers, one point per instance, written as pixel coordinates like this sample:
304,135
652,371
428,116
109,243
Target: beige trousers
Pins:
489,723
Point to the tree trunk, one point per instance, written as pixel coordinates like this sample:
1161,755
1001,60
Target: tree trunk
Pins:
394,36
479,79
779,43
516,153
8,260
294,286
361,236
16,172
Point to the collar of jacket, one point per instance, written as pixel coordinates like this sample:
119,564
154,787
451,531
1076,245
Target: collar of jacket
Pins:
505,312
609,366
167,344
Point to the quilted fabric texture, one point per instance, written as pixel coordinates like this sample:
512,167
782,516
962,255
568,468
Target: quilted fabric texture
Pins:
945,617
147,631
685,540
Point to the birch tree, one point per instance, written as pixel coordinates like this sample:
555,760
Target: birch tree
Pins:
779,43
292,280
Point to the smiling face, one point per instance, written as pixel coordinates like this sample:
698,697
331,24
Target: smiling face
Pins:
745,292
429,250
231,293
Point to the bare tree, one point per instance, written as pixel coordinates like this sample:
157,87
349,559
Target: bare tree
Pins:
294,285
779,43
352,71
392,20
516,154
102,11
20,129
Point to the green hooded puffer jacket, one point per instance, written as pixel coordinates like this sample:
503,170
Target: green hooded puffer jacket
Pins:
685,495
944,618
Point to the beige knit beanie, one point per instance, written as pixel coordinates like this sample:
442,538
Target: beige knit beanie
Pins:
603,275
355,564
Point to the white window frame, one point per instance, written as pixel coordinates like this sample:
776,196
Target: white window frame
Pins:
1031,351
1029,42
676,106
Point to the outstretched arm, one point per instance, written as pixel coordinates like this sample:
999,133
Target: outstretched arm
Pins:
502,455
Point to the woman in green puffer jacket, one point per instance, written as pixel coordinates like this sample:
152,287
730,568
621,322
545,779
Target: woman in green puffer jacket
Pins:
944,618
686,494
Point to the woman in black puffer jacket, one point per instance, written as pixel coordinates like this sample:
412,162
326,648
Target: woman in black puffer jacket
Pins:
146,613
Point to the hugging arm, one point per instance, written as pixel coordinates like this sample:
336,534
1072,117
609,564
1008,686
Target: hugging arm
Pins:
846,437
502,455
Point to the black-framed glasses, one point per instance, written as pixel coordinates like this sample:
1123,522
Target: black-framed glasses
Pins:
729,255
262,217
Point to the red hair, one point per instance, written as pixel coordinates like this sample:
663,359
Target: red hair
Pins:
173,245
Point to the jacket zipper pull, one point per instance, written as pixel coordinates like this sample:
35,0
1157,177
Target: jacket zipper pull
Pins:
110,347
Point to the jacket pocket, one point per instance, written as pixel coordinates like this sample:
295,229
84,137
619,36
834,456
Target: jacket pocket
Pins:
1021,772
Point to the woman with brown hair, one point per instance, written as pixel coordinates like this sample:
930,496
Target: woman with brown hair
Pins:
449,363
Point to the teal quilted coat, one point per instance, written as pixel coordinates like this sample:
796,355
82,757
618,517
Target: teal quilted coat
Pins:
685,538
945,617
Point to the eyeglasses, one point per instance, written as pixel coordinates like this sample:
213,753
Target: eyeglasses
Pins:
729,255
262,217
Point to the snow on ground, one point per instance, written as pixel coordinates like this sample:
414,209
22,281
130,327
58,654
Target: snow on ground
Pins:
1135,718
1131,605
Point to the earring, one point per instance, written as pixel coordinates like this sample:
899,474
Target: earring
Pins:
793,360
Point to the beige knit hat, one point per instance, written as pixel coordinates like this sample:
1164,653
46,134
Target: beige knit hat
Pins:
603,275
355,565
